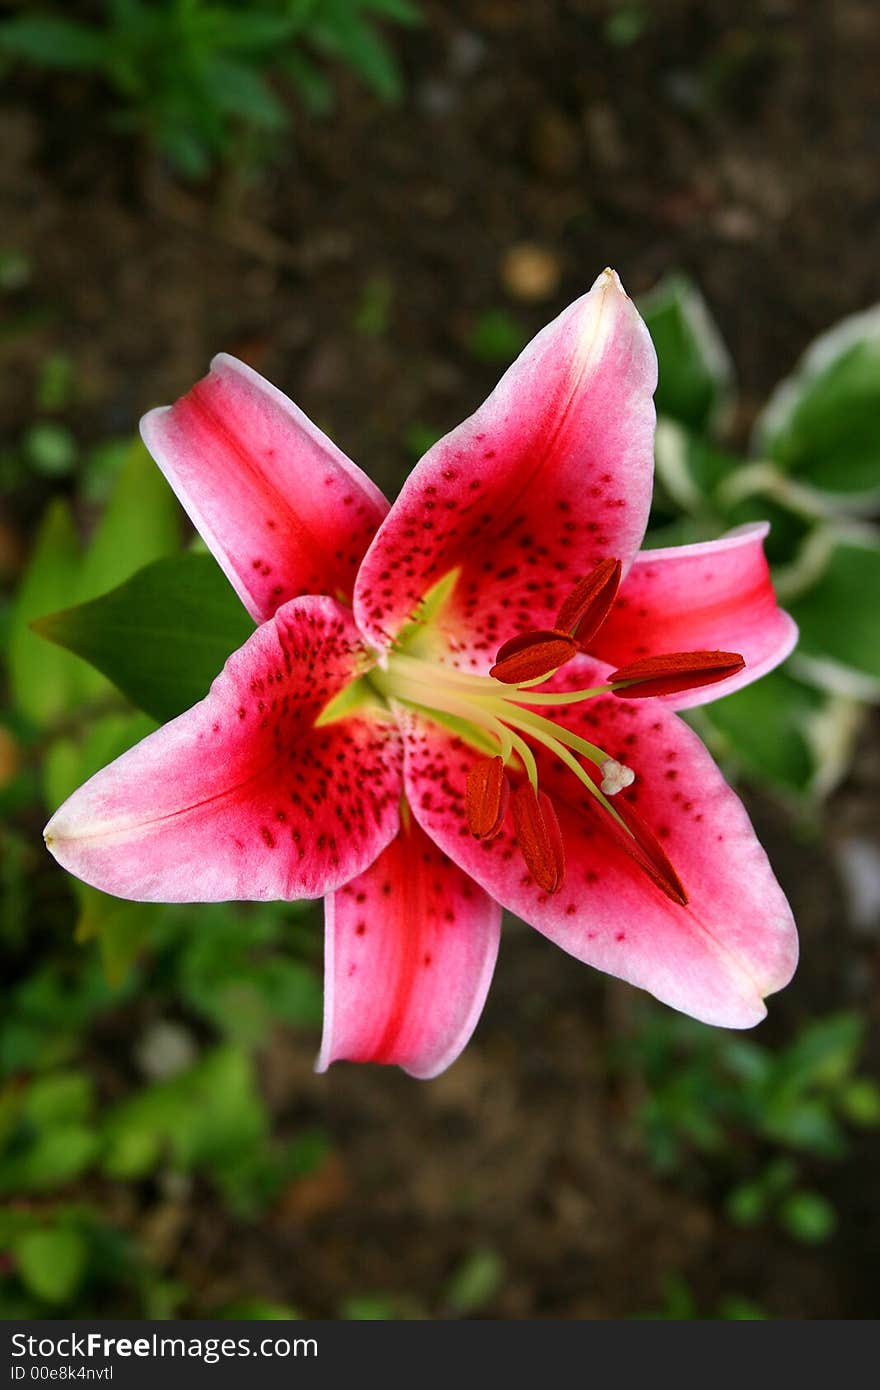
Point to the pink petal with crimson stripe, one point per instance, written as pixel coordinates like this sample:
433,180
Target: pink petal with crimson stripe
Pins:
282,509
241,796
717,594
552,474
410,948
715,958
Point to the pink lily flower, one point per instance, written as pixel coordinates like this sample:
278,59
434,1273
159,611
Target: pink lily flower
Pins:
359,747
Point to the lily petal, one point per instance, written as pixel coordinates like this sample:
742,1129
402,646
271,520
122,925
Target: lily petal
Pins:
410,948
714,958
283,510
551,475
693,597
242,796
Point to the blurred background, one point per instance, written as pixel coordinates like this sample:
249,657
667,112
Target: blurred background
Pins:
376,203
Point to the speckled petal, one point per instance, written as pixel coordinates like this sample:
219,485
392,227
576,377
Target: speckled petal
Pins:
551,475
717,594
282,509
410,948
241,796
715,958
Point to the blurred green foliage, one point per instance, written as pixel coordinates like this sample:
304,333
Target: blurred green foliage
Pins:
625,23
202,991
814,473
199,77
373,315
709,1093
680,1305
495,337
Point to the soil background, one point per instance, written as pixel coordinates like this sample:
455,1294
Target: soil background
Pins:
736,141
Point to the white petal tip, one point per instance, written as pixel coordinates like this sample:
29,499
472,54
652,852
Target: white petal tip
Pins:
610,280
150,420
235,364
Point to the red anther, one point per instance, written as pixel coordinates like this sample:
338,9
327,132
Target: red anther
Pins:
664,675
533,654
643,846
589,603
486,797
539,837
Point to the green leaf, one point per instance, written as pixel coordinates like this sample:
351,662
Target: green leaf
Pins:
186,151
839,619
746,1061
821,422
51,1263
313,86
746,1205
51,449
809,1217
55,385
244,998
55,1157
121,929
679,1304
735,1307
369,1308
340,31
140,524
239,91
860,1102
43,681
689,468
227,28
132,1152
209,1117
401,11
57,43
696,376
804,1124
765,728
824,1054
58,1099
101,467
373,313
625,25
475,1283
162,636
495,337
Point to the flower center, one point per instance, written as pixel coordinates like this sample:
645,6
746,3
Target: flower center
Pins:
496,714
500,720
